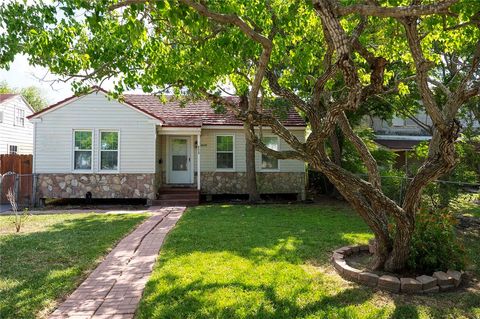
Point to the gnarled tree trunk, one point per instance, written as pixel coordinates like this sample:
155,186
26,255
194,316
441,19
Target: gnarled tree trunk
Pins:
251,173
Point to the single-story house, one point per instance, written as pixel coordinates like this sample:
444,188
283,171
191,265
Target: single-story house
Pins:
134,147
16,133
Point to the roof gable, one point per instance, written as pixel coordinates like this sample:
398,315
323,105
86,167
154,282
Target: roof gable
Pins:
10,96
74,98
6,96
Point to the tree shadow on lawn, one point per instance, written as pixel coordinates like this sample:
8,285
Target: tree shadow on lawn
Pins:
293,233
268,262
38,268
191,301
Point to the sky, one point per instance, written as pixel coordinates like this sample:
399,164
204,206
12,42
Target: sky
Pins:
22,74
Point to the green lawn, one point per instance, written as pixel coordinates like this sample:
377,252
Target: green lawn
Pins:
51,256
273,262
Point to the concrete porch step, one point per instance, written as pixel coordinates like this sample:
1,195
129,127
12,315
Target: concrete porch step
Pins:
177,190
175,202
189,195
177,196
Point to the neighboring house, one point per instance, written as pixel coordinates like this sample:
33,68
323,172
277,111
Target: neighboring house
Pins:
402,135
16,132
130,149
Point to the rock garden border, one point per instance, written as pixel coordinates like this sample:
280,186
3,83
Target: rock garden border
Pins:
439,281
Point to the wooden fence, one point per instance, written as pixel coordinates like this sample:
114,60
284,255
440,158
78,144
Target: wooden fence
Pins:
22,181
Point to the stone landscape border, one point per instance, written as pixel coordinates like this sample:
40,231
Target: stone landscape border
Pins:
439,281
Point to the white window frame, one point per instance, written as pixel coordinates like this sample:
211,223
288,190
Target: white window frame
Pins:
261,155
1,116
91,150
233,152
99,153
10,149
15,112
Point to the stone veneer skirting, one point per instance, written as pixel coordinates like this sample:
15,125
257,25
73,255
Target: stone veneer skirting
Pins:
267,182
439,281
100,185
146,185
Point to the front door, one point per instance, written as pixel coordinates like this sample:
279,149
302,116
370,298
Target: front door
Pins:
180,165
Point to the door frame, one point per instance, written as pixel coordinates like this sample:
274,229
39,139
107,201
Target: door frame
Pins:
190,151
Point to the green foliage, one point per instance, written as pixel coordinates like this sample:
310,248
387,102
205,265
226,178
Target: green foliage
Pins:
34,97
467,171
352,161
32,94
435,243
171,44
393,184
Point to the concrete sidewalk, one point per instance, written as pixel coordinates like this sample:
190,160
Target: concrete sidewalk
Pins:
5,208
114,289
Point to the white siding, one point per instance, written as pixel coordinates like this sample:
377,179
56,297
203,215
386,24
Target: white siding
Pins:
208,155
10,134
208,148
54,135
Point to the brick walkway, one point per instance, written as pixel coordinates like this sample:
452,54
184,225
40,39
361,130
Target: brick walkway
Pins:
114,288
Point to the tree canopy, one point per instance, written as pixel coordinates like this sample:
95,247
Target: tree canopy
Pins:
32,94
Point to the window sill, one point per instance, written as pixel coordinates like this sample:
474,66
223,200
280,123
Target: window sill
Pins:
82,171
108,172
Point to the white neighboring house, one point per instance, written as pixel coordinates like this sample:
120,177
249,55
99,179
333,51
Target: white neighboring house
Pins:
16,132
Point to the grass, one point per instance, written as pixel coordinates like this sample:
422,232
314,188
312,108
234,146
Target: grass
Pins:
273,262
466,205
51,256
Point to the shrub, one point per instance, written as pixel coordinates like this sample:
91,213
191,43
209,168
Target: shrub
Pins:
435,244
393,184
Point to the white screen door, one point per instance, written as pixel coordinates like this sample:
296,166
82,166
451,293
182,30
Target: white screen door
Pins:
180,165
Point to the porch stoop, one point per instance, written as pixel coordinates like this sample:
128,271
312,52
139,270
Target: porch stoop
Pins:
177,196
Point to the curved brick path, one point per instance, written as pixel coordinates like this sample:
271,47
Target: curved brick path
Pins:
114,288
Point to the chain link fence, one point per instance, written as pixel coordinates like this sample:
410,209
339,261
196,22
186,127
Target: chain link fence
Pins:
439,193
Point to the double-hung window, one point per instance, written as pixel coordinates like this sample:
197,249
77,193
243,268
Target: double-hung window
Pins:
19,117
13,149
82,150
108,150
225,152
268,162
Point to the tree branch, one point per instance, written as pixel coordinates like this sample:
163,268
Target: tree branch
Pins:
422,67
229,19
362,150
126,3
285,93
396,12
277,127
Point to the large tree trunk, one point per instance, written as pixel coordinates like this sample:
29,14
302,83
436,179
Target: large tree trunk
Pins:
251,174
337,158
